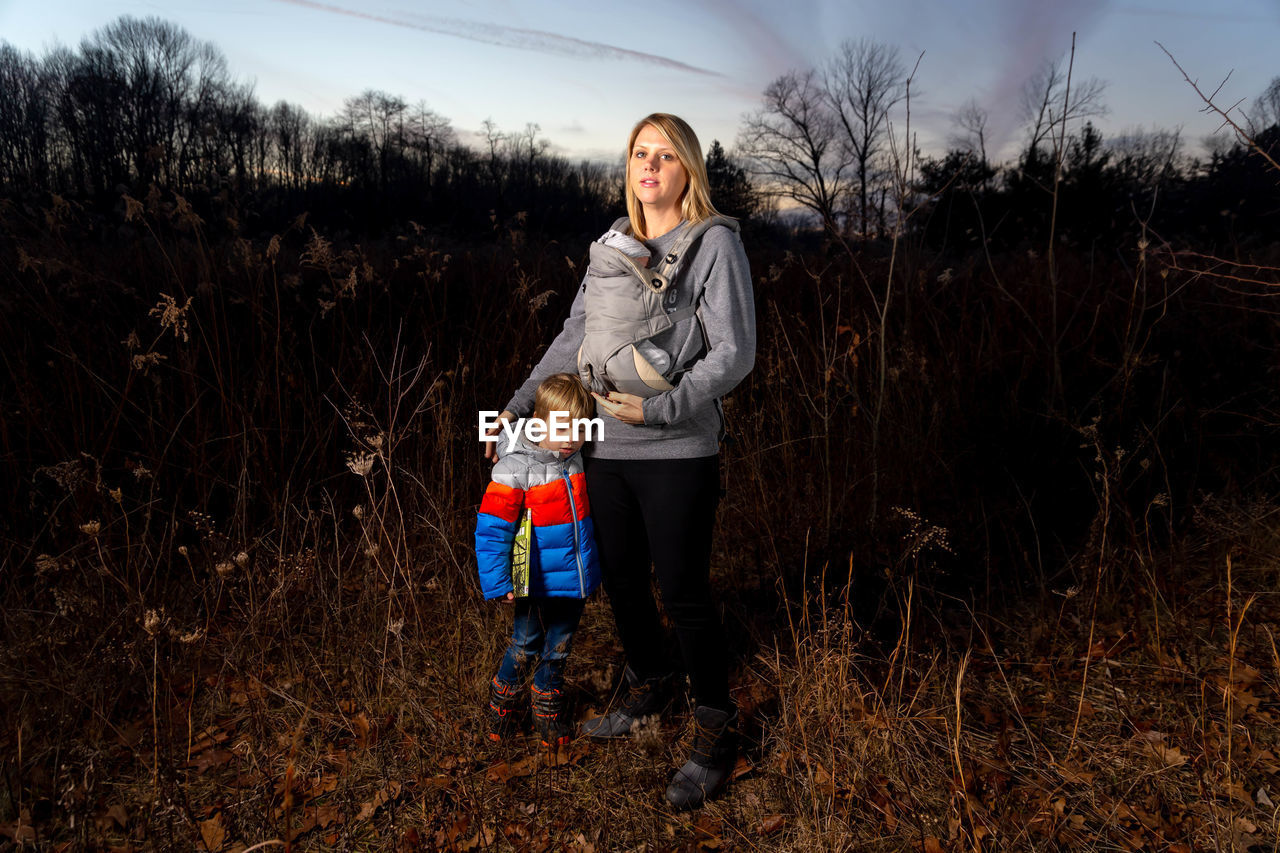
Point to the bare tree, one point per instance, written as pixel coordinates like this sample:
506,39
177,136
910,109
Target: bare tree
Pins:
1266,109
862,84
164,75
24,119
1047,102
1146,158
288,127
493,139
378,120
792,146
429,134
523,148
970,129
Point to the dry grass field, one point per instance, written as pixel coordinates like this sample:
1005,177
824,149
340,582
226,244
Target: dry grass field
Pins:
992,581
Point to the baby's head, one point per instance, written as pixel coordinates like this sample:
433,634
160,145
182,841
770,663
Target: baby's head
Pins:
563,393
629,246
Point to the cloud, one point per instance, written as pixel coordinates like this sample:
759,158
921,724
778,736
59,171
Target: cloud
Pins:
520,39
1038,32
769,49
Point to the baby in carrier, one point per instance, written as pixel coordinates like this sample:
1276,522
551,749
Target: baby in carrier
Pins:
610,358
624,303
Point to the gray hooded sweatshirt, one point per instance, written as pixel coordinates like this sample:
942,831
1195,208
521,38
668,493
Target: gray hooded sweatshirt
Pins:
685,422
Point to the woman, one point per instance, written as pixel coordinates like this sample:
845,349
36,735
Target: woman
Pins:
653,478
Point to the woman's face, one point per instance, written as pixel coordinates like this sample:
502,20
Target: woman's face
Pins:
655,173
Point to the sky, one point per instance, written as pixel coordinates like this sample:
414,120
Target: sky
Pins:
586,71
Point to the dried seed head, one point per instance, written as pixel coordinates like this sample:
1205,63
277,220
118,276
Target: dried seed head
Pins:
242,559
225,569
152,621
90,528
360,464
172,316
132,209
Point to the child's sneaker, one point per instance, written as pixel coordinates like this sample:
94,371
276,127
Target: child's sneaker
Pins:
551,717
508,707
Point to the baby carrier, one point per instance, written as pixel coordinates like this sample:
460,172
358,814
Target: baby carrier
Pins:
624,310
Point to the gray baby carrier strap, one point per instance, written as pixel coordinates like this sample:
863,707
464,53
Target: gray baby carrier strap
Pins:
624,310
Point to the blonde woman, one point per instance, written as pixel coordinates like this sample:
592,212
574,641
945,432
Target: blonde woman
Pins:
653,478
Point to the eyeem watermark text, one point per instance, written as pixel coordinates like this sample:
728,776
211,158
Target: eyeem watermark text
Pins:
560,427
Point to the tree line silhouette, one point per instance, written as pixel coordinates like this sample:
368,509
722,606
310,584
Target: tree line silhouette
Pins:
142,102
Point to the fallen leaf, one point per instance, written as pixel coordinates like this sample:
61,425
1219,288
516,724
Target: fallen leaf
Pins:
570,753
411,840
707,830
20,831
327,815
362,730
320,785
742,768
113,815
209,759
379,800
212,832
505,771
933,845
485,837
1076,774
1161,754
308,824
1235,790
771,824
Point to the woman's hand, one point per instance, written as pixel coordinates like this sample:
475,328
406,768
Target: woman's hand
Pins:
491,447
627,408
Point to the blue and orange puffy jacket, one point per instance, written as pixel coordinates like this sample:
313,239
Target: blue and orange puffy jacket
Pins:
563,561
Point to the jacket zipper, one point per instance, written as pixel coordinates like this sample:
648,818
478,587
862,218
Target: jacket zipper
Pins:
577,535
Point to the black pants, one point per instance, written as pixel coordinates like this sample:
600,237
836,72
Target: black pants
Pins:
662,511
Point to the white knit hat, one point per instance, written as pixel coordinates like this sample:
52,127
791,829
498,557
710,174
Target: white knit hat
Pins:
629,246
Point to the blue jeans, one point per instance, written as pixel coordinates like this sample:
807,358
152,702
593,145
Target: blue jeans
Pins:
542,633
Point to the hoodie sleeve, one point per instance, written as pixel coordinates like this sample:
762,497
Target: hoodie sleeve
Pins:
496,531
561,356
728,316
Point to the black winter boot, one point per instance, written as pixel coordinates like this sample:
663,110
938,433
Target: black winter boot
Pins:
715,752
551,717
643,699
508,710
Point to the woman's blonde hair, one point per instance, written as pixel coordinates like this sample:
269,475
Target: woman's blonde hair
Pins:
563,392
695,202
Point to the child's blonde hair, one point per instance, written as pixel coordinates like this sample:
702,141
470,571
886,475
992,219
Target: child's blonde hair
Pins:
563,392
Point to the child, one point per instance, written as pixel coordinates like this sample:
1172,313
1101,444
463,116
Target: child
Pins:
546,482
